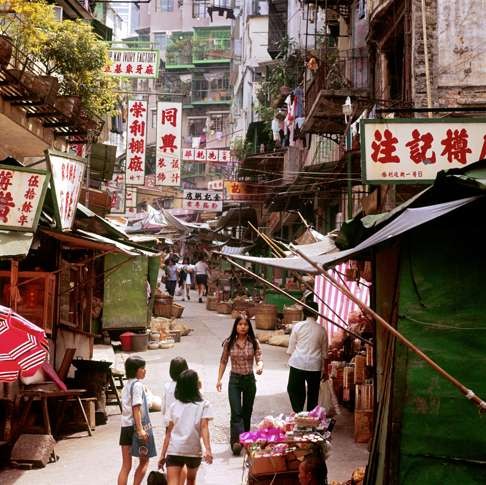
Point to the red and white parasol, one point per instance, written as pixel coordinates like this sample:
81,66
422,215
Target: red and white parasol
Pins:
23,346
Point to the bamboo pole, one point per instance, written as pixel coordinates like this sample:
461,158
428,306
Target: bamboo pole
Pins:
468,393
288,295
269,241
426,55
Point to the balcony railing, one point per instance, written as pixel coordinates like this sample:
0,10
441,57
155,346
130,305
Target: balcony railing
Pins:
211,96
339,70
175,58
209,49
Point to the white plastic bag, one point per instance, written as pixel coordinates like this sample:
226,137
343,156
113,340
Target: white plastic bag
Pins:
328,399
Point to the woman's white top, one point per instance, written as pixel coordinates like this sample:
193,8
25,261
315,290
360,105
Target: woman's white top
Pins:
167,399
185,439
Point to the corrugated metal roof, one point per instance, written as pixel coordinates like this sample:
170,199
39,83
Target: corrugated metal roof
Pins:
14,243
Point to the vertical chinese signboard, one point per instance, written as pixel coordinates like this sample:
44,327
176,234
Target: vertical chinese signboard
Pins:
67,176
168,144
415,150
116,189
22,193
136,145
131,198
203,200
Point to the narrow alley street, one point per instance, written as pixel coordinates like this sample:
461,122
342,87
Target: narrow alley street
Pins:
96,460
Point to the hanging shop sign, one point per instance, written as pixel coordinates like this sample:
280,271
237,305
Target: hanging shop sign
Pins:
213,155
67,177
216,185
131,197
168,145
136,142
203,200
133,63
22,193
415,150
116,190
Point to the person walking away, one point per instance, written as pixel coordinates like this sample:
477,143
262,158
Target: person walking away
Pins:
135,420
201,269
189,419
185,278
177,366
242,348
308,353
171,271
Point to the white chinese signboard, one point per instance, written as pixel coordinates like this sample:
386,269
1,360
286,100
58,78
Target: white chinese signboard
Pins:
136,145
131,197
67,176
116,189
415,150
203,200
216,185
133,63
213,155
22,193
168,144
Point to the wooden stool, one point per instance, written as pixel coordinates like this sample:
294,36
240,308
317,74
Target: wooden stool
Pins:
111,389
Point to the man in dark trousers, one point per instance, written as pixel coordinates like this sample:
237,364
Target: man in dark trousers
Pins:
308,353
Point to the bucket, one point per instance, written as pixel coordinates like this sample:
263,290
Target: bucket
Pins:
265,316
126,341
176,335
139,342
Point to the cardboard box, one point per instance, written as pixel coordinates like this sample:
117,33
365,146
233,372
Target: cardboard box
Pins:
264,465
363,426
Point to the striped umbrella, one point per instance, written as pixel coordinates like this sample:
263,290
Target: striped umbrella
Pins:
23,346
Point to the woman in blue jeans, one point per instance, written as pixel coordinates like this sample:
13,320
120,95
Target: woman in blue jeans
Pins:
242,349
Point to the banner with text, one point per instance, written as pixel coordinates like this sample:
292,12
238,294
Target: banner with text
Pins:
131,198
136,142
216,185
67,177
203,200
415,150
168,144
214,155
133,63
22,193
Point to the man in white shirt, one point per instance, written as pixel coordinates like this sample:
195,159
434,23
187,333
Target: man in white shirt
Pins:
201,269
308,353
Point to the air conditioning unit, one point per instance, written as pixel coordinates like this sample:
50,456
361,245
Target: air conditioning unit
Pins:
58,13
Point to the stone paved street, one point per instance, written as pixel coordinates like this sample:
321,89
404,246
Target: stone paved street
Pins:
96,460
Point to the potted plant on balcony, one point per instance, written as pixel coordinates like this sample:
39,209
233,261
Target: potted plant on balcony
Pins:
74,53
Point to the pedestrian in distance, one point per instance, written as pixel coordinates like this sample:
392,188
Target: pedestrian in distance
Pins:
177,366
242,349
171,273
189,419
185,271
308,353
201,269
136,435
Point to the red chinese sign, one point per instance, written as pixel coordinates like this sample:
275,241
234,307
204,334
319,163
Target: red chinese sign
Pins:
22,193
133,63
116,189
168,150
203,200
67,177
417,149
136,141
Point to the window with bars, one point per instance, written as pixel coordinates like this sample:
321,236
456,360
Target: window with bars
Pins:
166,5
160,41
200,9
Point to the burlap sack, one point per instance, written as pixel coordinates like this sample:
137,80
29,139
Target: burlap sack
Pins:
279,340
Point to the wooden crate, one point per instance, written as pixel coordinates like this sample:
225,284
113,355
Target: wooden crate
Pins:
364,396
348,377
359,369
363,425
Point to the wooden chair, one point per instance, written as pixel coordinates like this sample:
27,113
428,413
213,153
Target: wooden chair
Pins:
44,391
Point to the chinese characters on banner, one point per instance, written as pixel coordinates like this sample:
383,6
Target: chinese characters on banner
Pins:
116,189
416,150
136,136
133,63
67,176
203,200
22,193
216,185
214,155
168,144
131,197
